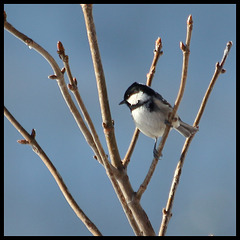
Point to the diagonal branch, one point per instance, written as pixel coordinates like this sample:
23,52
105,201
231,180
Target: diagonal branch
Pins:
74,88
186,51
167,212
30,139
150,75
58,75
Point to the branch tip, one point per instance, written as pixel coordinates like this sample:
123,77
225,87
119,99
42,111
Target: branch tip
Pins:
61,52
158,43
60,46
189,20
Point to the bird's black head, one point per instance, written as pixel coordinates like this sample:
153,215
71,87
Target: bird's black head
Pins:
135,88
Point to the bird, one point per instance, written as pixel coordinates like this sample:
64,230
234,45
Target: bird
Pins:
150,112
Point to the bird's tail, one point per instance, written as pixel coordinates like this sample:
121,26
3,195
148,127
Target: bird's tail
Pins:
185,129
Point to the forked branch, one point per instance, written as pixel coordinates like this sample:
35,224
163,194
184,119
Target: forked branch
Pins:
167,211
140,217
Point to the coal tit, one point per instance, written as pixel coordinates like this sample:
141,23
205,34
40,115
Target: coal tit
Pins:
150,112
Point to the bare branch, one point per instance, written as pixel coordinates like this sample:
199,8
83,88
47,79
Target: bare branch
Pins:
218,70
186,51
102,89
30,139
167,212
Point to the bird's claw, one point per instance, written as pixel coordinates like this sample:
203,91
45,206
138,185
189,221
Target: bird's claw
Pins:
156,154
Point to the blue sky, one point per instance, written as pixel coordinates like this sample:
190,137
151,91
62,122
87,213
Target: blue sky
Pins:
205,202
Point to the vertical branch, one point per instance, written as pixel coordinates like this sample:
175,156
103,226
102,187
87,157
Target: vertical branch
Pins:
102,89
186,53
140,220
167,212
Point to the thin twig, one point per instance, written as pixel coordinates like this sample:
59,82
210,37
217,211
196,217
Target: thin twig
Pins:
186,51
59,77
150,75
74,88
167,212
30,139
218,70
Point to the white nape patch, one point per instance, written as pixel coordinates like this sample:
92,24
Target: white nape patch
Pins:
138,97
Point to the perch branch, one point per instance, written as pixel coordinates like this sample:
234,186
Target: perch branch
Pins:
167,212
186,51
30,139
150,75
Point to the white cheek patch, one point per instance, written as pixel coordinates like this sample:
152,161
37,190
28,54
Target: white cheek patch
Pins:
137,97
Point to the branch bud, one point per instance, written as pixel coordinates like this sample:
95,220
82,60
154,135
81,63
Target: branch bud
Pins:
52,76
189,20
33,134
182,46
60,47
23,141
75,81
63,70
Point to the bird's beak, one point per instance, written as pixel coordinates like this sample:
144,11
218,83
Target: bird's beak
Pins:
122,102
